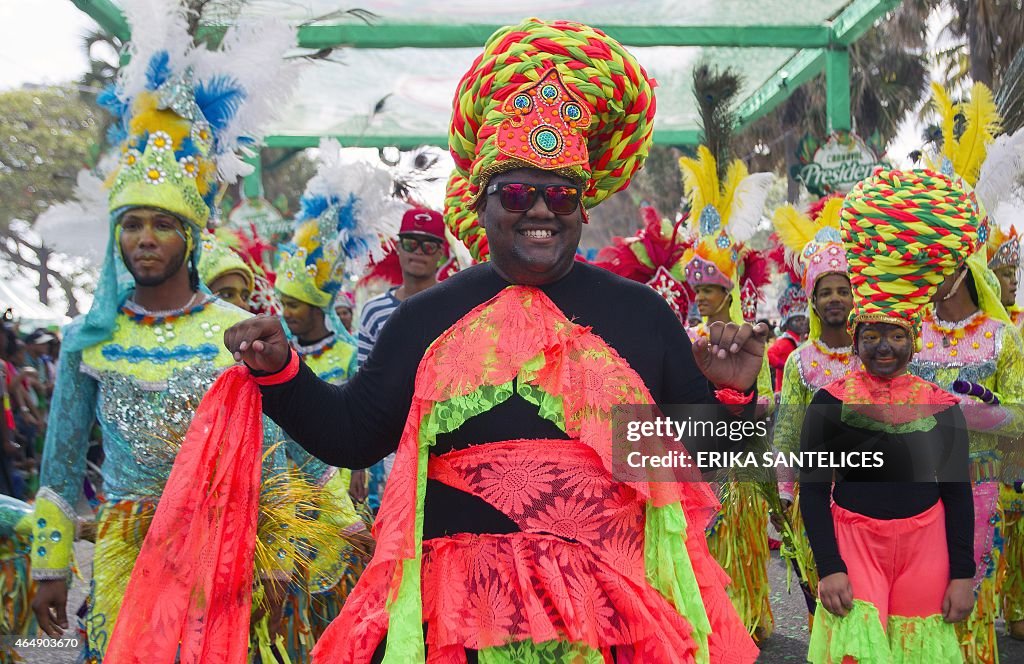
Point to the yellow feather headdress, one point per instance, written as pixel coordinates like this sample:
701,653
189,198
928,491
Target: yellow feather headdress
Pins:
964,153
724,216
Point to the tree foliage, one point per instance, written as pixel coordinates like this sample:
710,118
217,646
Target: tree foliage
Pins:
45,138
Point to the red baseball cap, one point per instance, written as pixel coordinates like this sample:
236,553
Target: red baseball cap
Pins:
423,221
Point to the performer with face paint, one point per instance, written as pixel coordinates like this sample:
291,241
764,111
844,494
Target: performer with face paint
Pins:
893,536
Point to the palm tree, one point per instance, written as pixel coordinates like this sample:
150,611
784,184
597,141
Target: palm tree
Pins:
987,35
888,79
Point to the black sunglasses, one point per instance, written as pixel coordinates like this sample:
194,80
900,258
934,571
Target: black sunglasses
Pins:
520,197
411,244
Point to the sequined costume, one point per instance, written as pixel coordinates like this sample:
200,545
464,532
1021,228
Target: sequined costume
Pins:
142,387
726,205
141,374
984,349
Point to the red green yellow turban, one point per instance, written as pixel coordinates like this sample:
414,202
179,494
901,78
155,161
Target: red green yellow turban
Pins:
905,232
556,95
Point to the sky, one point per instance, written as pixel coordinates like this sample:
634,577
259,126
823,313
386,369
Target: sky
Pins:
41,42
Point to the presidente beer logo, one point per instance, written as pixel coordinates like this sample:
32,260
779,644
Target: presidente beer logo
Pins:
835,165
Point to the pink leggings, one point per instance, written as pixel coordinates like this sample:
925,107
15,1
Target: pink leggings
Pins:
901,566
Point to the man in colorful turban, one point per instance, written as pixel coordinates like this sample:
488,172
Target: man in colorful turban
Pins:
892,540
502,529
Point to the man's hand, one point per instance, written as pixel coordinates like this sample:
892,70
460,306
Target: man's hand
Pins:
958,601
50,606
731,355
259,342
357,487
836,593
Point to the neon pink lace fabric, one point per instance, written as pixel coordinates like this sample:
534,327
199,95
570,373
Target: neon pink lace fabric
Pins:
576,572
192,582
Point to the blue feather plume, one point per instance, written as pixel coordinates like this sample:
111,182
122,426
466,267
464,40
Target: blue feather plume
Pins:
346,214
186,149
109,100
219,98
116,134
356,246
158,70
311,207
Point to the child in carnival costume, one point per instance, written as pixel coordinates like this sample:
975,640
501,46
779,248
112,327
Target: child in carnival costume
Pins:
182,112
893,542
344,214
972,349
815,252
725,208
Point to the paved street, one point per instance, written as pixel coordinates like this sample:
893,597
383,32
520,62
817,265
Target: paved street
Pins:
788,644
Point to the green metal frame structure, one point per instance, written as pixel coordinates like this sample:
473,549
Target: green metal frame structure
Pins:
820,48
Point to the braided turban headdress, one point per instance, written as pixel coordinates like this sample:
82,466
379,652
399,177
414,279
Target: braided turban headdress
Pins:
559,96
905,232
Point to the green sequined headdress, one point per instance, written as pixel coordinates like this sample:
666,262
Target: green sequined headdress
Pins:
346,212
183,113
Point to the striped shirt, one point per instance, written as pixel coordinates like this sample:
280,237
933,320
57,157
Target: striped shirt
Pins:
375,313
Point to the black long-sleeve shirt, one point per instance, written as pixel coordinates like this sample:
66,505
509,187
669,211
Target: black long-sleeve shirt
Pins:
920,468
357,424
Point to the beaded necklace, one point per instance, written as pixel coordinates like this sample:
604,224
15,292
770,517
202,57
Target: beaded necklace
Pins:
147,317
317,349
839,354
957,330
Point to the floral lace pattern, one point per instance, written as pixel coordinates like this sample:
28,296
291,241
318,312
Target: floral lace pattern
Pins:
579,572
